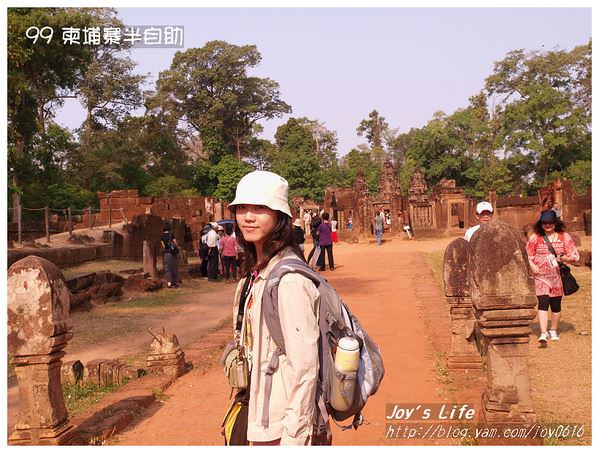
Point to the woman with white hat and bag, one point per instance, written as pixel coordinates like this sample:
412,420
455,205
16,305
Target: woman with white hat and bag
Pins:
263,226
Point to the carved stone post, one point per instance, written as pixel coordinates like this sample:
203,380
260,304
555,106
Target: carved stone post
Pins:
39,328
463,352
166,357
502,292
149,259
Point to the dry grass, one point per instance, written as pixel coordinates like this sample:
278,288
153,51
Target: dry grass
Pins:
561,374
88,267
133,314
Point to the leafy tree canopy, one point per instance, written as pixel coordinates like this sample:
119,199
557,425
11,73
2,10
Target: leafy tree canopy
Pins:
209,89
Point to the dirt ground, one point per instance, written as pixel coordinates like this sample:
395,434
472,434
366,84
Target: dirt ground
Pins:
394,290
118,329
388,288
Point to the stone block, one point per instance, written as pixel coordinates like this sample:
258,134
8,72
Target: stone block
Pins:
499,276
455,269
38,307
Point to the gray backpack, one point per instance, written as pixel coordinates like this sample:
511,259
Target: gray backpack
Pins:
335,321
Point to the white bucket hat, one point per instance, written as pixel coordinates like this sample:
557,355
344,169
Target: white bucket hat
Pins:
484,206
263,188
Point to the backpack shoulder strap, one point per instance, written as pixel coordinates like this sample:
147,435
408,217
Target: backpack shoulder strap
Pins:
270,296
270,311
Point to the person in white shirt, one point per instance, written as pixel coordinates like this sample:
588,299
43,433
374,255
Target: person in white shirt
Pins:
334,229
307,221
484,214
212,243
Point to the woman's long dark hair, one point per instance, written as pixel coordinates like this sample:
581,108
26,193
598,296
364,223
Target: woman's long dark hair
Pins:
280,238
559,226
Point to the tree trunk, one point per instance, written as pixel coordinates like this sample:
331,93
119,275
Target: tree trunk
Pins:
238,147
88,128
16,197
41,121
377,136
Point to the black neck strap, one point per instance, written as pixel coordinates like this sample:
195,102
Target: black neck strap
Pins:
244,295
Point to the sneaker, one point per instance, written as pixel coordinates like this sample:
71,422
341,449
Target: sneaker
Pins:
553,335
543,338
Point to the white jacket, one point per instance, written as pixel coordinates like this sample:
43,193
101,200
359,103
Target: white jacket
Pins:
292,399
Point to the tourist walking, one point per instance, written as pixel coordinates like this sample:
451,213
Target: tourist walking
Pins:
212,243
204,251
378,226
549,230
325,234
170,256
316,221
263,227
299,234
334,229
221,233
307,221
228,253
484,214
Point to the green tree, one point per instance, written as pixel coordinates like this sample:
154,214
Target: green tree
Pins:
109,91
40,75
66,195
47,153
374,128
544,99
580,173
209,89
433,150
405,174
260,154
227,173
204,181
295,135
302,170
360,159
165,187
297,161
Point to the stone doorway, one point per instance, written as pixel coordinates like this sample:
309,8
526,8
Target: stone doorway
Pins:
457,215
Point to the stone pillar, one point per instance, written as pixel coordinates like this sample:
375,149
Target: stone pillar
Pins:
149,259
463,352
503,298
39,328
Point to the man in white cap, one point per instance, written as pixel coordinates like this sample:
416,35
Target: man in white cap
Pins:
484,214
212,243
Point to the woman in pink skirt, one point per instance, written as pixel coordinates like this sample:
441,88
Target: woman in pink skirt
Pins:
545,266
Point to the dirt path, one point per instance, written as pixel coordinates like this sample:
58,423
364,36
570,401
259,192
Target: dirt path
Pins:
385,287
113,331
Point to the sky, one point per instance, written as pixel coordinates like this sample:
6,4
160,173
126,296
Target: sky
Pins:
338,64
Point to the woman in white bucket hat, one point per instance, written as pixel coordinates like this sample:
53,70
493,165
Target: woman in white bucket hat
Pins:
263,226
